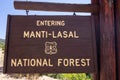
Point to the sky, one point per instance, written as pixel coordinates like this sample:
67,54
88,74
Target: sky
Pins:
7,8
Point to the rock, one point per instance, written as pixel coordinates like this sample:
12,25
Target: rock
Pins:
46,78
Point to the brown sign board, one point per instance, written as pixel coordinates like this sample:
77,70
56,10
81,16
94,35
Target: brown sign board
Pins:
50,44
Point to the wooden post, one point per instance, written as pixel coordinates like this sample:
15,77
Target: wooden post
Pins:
107,37
97,31
117,21
23,5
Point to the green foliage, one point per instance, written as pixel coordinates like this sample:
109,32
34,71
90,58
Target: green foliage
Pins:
53,75
68,76
2,44
73,76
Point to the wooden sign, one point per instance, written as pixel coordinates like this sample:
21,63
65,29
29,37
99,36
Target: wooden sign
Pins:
50,44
